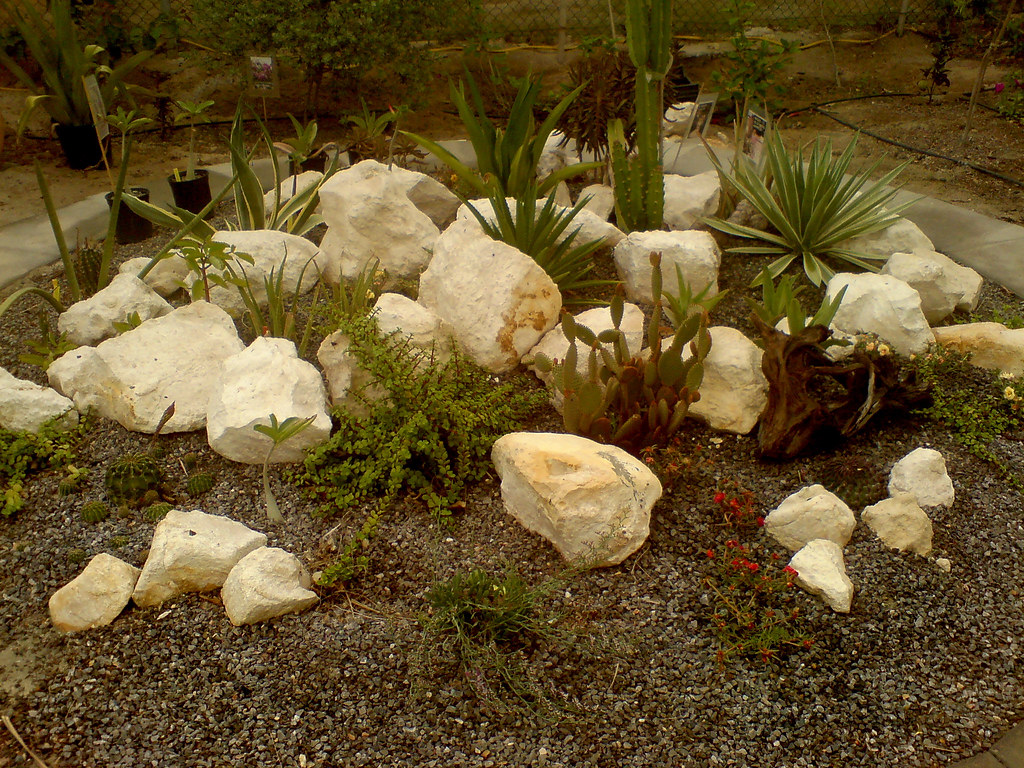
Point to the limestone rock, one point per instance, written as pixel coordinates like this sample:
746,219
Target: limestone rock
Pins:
688,198
266,378
266,583
192,552
165,277
821,571
943,284
734,391
600,200
695,253
95,597
425,331
883,305
91,320
289,187
901,524
809,514
902,237
371,215
350,385
589,500
991,345
496,299
922,473
25,406
134,377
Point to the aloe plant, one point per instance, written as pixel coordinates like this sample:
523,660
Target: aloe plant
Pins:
506,157
812,206
639,181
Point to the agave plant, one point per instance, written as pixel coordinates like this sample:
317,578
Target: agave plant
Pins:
812,206
541,235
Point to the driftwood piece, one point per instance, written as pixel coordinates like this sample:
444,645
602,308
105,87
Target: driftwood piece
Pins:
814,402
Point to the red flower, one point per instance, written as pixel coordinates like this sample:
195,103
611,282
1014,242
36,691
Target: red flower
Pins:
760,522
734,503
790,570
752,567
711,554
732,543
719,497
999,87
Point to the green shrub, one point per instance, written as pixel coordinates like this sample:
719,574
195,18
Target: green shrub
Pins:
22,453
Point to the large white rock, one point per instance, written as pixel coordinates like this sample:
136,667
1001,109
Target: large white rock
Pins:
591,501
134,377
734,391
425,331
600,200
882,305
943,284
371,215
350,385
901,524
25,406
192,552
689,198
95,597
554,345
922,473
809,514
991,345
821,571
266,378
289,187
91,320
166,276
266,583
902,237
496,299
695,253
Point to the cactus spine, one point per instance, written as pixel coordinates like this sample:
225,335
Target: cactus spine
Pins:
639,181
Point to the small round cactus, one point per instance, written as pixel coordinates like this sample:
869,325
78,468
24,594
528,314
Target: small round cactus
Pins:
94,512
75,556
130,477
67,487
157,512
199,484
190,461
854,480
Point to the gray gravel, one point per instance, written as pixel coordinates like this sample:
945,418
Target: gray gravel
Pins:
925,670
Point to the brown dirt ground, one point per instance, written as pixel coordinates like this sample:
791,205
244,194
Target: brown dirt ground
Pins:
889,65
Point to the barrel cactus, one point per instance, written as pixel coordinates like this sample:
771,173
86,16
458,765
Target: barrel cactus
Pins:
94,512
88,259
855,480
199,484
158,511
132,478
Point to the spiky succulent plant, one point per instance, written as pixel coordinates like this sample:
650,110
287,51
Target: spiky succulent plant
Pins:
131,477
94,512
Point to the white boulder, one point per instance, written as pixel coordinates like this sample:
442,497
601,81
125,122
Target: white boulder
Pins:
496,299
91,320
882,305
166,276
289,188
689,198
95,597
25,406
922,473
591,501
904,236
600,200
695,253
268,377
810,514
734,391
821,571
425,331
991,345
266,583
901,524
943,284
134,377
350,385
192,552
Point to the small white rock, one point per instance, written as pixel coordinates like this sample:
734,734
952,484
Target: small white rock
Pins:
922,473
901,524
95,597
821,571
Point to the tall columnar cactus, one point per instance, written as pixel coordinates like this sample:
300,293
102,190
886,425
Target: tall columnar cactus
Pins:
639,182
627,398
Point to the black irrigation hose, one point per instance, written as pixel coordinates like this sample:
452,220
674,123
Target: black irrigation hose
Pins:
927,152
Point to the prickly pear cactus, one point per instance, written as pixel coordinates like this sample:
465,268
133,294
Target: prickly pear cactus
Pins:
632,401
133,477
199,484
94,512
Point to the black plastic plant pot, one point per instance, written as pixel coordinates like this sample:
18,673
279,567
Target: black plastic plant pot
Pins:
191,194
80,146
131,228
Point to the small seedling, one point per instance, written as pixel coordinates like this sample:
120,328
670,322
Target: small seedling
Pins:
278,432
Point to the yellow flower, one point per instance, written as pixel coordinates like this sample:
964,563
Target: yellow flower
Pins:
883,349
1007,375
1009,393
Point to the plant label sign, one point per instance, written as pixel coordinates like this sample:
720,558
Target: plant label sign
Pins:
703,109
96,106
755,129
263,77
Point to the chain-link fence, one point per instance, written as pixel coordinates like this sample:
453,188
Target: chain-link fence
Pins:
547,20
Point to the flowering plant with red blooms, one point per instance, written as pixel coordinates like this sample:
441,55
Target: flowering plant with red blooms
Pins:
737,506
754,611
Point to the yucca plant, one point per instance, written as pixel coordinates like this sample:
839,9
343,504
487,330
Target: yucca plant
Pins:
509,155
812,206
542,236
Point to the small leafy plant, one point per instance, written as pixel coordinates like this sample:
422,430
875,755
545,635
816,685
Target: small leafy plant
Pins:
279,433
754,613
211,261
812,207
23,453
736,506
1011,97
781,301
191,111
48,347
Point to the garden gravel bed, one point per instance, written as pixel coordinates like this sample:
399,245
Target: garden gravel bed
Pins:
924,670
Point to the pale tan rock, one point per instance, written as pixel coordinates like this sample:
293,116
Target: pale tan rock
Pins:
901,524
821,571
991,345
734,391
95,597
266,583
810,514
